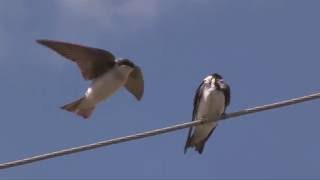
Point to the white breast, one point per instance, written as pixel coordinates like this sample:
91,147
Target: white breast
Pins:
105,85
211,106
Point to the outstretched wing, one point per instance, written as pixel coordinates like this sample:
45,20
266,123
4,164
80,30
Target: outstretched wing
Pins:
92,61
135,83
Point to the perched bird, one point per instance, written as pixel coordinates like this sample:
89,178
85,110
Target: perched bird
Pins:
107,73
209,103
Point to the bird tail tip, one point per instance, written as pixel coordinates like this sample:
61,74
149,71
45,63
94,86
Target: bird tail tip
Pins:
75,108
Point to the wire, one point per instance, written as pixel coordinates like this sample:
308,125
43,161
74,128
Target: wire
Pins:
155,132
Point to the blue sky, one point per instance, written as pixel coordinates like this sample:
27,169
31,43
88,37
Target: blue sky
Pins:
267,50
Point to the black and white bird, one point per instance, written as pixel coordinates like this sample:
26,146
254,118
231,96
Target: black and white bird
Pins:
209,103
107,73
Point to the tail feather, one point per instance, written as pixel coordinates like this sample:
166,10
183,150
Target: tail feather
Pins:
75,108
199,147
72,107
85,113
188,142
186,146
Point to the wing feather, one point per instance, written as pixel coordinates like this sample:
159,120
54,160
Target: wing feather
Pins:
196,100
92,61
135,83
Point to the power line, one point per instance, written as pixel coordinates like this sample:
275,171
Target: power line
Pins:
155,132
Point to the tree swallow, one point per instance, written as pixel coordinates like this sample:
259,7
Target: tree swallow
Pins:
209,103
107,74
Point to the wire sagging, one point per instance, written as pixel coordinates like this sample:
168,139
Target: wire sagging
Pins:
155,132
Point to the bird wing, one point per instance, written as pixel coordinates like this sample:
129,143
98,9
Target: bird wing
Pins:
92,61
227,94
135,83
196,101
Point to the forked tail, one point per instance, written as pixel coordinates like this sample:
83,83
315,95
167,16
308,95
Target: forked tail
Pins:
75,108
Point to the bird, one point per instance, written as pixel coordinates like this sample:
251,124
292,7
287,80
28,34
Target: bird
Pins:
107,74
210,102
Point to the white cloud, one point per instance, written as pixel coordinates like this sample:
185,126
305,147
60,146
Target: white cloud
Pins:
112,14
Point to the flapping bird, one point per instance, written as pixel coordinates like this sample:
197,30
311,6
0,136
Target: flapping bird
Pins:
107,73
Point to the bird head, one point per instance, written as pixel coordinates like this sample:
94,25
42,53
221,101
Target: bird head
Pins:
125,62
126,65
215,80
